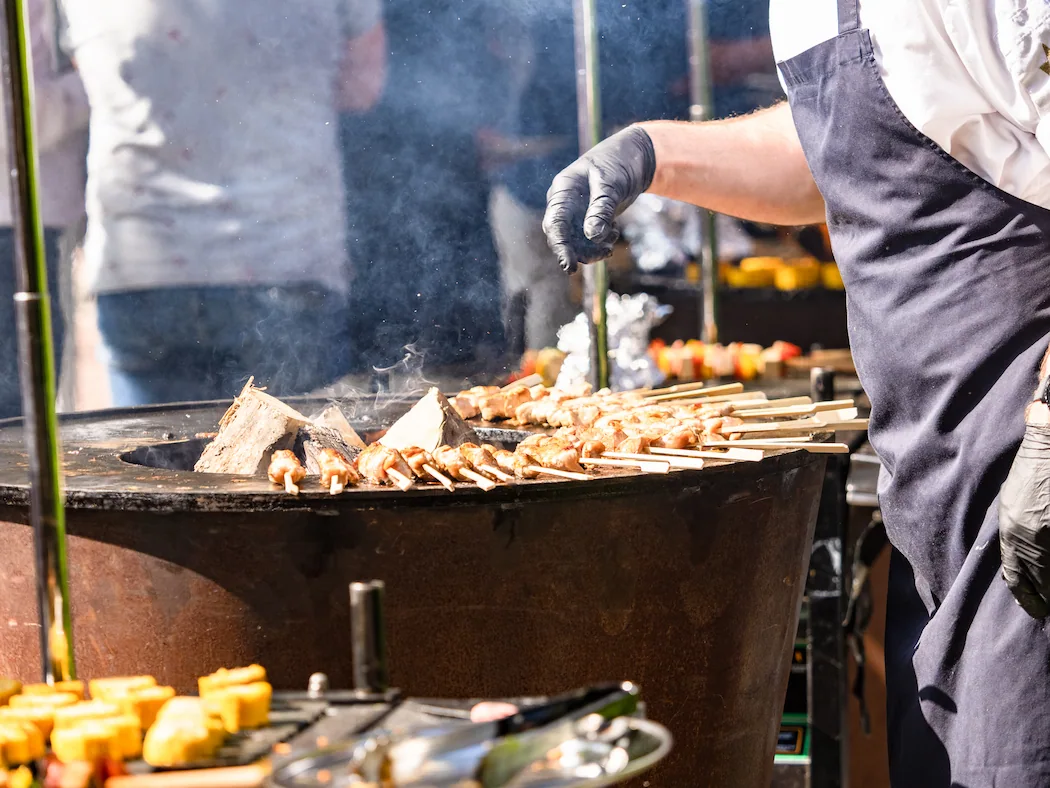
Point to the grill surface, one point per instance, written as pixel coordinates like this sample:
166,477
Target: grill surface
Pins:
688,583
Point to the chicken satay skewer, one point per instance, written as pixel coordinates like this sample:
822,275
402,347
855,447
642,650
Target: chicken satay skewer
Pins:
336,472
286,469
400,480
539,470
421,463
482,460
456,465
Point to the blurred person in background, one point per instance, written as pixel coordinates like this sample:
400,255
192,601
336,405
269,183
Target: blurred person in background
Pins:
418,195
216,239
61,140
643,69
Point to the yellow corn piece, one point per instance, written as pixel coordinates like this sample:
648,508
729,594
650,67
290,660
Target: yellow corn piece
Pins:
20,778
101,689
178,742
72,687
8,689
91,740
229,678
70,716
129,735
144,703
244,706
194,711
20,743
42,717
53,701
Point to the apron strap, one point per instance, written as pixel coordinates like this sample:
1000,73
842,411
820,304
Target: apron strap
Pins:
849,15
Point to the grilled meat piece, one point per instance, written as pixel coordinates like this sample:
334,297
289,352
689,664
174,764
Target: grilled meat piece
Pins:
286,469
337,472
503,404
377,459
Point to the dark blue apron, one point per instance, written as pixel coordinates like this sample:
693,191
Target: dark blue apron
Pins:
948,291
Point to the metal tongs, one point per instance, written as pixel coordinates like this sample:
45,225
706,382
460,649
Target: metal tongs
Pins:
488,755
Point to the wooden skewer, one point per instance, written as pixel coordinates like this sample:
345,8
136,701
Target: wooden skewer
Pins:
483,482
744,455
840,414
812,448
500,474
671,389
336,487
528,381
289,485
758,404
751,443
579,477
440,477
647,466
775,413
694,463
729,388
400,479
743,396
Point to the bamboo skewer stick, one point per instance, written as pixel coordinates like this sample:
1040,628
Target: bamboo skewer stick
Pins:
693,463
671,389
500,474
528,381
289,485
483,482
646,466
741,455
579,477
838,415
744,442
336,486
761,403
434,473
400,479
774,444
729,388
720,398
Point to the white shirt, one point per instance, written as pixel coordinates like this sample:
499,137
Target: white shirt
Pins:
966,73
214,157
61,121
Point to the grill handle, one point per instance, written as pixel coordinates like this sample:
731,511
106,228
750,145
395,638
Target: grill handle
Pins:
368,637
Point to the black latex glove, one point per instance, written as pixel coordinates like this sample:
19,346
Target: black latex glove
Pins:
1024,523
585,197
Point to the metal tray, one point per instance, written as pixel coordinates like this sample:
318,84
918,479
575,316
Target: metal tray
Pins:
629,747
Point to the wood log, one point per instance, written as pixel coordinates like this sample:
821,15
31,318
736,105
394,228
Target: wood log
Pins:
312,438
252,429
432,422
334,418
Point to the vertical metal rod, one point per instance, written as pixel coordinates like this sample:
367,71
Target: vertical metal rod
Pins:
368,636
702,108
589,115
36,352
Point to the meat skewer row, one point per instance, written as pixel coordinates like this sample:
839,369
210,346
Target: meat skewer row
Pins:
337,473
452,462
423,465
523,466
286,469
381,465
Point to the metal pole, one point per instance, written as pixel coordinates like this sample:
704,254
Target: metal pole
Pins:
589,114
702,108
368,636
36,352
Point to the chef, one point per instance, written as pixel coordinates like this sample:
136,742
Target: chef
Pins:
920,130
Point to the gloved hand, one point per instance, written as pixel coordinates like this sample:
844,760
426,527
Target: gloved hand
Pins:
1024,523
586,196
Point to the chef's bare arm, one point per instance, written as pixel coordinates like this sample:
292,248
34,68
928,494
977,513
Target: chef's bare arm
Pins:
751,167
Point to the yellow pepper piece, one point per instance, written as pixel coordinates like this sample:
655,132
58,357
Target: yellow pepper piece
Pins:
228,678
8,689
101,689
90,741
53,701
42,717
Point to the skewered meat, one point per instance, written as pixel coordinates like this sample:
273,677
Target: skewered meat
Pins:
477,456
416,458
286,469
502,404
552,453
377,459
466,406
451,462
337,472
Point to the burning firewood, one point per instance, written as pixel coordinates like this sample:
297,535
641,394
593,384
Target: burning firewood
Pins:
432,422
254,427
333,418
312,440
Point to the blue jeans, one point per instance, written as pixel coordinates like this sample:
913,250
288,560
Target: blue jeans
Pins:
10,393
201,343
